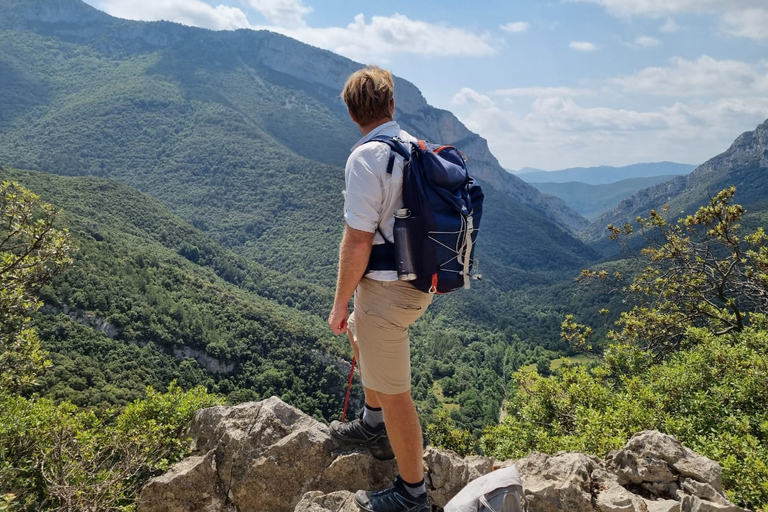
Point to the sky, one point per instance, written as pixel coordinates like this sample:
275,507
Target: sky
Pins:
550,84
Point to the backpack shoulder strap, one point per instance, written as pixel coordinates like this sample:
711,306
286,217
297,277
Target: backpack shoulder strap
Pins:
396,146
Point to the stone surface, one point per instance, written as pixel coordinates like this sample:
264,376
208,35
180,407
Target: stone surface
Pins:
260,457
448,473
618,499
560,482
268,456
651,458
315,501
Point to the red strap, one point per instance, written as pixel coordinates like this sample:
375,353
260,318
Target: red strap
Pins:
349,388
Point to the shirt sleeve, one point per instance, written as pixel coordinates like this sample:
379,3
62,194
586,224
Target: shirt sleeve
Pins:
364,197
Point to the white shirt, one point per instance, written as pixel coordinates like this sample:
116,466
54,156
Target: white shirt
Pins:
372,196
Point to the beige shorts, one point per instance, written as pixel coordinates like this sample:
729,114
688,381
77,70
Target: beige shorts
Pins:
379,325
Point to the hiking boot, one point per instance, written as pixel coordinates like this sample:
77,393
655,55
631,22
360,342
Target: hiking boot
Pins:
356,432
392,499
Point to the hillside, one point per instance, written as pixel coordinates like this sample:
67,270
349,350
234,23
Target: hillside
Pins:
592,200
229,130
604,174
744,165
150,299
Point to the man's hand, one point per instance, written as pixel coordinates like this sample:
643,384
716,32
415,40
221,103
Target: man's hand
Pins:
338,319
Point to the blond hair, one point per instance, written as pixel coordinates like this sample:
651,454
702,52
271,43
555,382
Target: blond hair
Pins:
368,93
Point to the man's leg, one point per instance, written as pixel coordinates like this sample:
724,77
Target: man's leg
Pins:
404,431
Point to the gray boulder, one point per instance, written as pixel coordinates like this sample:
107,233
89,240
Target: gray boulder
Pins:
268,456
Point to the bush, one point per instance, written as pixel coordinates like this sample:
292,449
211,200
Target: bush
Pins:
60,457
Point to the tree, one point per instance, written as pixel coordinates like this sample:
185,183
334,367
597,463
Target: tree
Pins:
699,273
32,250
688,359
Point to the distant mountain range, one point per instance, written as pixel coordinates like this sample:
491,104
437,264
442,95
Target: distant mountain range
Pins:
744,165
603,174
593,200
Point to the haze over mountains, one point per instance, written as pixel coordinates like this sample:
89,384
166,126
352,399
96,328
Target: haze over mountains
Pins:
603,174
744,165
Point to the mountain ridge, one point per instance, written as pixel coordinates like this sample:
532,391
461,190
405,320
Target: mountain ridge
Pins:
288,56
605,174
744,165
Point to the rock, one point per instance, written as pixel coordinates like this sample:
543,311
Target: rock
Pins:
260,457
651,457
619,499
556,483
695,504
663,506
268,456
448,473
703,490
315,501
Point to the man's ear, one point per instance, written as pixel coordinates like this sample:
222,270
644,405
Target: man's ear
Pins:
392,106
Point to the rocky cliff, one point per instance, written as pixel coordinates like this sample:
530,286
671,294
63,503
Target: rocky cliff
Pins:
269,456
744,164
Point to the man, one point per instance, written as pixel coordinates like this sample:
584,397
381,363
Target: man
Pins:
384,307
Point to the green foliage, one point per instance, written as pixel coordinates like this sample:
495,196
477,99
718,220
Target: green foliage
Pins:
689,360
444,434
31,252
60,457
699,274
713,397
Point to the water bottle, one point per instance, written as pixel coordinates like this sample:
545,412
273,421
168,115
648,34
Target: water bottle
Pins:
406,267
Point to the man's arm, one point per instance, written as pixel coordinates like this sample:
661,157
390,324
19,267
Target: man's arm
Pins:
354,252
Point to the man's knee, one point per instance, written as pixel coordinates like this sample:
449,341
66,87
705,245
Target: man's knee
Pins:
396,400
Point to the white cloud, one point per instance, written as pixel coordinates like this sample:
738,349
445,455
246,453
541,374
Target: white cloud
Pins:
380,39
543,92
669,26
516,27
691,111
701,77
750,23
583,46
386,36
188,12
283,13
743,18
469,96
647,41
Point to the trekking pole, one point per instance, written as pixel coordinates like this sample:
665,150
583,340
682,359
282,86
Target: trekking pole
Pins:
349,388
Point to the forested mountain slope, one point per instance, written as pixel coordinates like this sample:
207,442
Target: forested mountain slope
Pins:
241,133
149,298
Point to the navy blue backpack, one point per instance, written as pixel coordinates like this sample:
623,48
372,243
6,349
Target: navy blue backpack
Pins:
446,206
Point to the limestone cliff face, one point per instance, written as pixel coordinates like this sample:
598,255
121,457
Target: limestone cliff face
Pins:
749,149
323,69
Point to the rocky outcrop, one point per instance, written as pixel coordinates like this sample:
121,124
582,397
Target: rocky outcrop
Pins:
268,456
